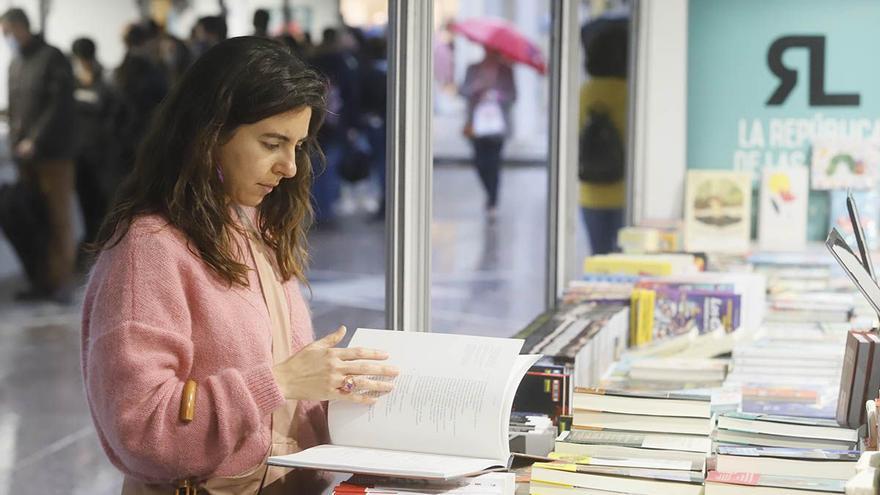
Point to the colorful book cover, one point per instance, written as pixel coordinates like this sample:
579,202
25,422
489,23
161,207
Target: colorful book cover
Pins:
782,212
718,206
841,164
678,311
868,203
791,482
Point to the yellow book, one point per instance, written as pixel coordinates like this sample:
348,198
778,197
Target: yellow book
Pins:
646,318
634,317
617,264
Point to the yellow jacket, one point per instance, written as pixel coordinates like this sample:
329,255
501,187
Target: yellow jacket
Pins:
609,92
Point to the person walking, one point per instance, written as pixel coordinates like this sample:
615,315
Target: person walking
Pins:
490,91
42,140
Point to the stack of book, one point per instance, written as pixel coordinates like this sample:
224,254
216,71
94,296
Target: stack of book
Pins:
586,338
594,287
764,430
644,264
632,443
820,307
779,461
790,370
859,378
773,470
794,272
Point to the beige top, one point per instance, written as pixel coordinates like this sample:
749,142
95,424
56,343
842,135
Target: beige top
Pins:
283,426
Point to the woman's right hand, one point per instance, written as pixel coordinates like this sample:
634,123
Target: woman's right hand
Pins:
317,372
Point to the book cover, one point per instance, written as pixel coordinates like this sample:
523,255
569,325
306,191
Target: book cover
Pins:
869,212
841,164
782,211
677,311
717,213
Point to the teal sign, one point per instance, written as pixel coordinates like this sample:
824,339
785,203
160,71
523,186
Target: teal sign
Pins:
766,77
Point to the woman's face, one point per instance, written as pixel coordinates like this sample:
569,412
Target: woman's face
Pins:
262,154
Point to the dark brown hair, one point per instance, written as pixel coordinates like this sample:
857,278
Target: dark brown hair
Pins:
239,81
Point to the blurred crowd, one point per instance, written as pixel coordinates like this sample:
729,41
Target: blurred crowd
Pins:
75,127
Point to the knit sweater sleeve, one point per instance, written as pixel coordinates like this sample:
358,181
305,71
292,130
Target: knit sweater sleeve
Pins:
138,354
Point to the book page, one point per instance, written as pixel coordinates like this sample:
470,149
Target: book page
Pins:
384,462
448,399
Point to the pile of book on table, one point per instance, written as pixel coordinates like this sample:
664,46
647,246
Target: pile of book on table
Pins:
791,369
629,442
770,454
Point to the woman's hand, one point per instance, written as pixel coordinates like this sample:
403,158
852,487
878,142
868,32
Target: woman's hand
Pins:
319,369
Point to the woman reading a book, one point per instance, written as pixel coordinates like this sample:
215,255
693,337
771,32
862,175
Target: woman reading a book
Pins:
197,347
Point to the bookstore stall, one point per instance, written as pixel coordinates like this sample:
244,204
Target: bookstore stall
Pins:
730,346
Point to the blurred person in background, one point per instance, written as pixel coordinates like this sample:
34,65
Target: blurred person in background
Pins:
374,98
207,32
340,66
95,106
490,92
603,97
166,50
261,23
42,139
140,83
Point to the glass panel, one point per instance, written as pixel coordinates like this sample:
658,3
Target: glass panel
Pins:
488,247
348,244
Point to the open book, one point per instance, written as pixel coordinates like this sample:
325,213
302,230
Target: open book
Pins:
448,415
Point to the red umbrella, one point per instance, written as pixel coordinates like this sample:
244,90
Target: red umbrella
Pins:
502,36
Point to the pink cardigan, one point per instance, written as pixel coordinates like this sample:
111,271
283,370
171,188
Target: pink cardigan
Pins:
154,316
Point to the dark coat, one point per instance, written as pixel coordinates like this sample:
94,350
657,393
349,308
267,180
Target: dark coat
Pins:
41,105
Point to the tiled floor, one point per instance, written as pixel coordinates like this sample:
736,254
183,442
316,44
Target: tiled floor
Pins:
488,279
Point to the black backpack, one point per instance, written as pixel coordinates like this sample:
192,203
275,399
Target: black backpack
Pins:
600,157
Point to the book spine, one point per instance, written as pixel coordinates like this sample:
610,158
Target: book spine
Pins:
856,412
846,378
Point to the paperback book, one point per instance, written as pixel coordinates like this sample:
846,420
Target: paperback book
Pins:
447,417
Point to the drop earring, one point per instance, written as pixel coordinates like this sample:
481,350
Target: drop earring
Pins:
219,174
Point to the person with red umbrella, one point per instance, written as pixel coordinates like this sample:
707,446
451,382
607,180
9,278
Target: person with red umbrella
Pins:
490,91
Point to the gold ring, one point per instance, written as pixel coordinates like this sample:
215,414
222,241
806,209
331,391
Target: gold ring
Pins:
347,384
